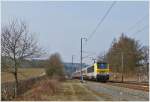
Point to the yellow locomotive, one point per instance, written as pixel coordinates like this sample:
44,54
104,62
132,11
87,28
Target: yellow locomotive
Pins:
98,71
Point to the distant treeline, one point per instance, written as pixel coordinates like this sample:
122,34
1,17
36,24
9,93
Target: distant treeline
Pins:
39,63
35,63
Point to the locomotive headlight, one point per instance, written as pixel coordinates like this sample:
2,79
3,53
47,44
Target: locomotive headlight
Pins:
107,73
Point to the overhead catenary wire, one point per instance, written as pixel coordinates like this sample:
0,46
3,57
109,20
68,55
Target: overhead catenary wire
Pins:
88,52
140,30
101,21
139,21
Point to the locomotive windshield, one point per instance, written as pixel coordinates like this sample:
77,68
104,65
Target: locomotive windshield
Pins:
102,65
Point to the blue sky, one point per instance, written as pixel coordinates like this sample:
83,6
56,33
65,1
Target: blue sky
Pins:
60,25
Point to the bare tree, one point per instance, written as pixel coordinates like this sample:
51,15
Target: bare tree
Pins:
17,44
132,55
145,54
145,50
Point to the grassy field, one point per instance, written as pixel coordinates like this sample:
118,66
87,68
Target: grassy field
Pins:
23,73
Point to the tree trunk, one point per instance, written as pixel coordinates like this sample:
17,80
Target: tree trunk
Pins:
16,85
16,78
147,67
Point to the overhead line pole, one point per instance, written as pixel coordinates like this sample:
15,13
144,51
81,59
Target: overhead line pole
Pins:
81,58
122,64
81,61
72,62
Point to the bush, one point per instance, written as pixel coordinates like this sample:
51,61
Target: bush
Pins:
7,90
44,87
54,66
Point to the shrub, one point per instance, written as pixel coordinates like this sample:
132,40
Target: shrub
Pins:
44,87
54,66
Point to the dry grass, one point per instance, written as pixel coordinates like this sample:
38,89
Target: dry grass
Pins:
53,90
24,73
45,87
83,94
126,77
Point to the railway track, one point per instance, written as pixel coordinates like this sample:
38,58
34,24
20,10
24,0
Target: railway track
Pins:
132,85
130,82
127,84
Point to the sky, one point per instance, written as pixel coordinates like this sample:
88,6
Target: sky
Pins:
59,25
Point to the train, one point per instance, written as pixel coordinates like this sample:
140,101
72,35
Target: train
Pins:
98,71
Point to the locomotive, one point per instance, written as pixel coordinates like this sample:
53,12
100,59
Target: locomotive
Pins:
99,71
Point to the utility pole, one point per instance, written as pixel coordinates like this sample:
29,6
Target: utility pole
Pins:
122,62
72,67
104,57
72,62
81,57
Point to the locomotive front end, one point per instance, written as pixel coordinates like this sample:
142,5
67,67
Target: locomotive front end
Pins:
102,71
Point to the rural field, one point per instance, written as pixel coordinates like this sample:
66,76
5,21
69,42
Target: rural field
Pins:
23,73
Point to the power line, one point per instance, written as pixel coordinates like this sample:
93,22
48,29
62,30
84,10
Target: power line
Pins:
97,26
93,32
139,21
88,52
138,31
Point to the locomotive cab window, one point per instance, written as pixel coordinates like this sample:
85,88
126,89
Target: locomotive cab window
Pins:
102,65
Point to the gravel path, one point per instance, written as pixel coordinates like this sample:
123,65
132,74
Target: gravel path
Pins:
114,93
92,94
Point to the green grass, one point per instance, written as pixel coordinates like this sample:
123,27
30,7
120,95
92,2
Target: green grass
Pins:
23,73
